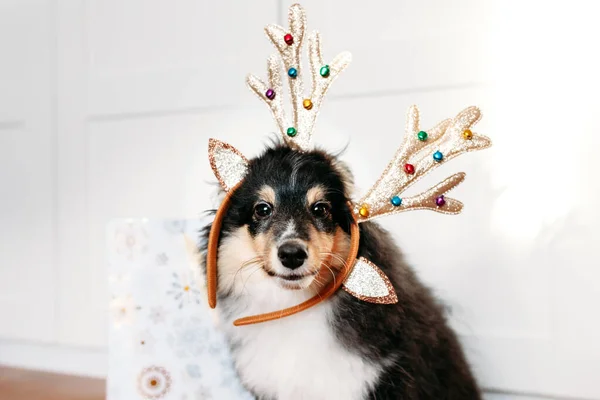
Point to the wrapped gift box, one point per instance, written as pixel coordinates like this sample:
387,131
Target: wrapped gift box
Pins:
163,341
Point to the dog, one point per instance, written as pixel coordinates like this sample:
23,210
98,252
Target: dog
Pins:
285,236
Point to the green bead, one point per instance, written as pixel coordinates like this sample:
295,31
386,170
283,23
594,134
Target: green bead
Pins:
422,136
324,71
291,131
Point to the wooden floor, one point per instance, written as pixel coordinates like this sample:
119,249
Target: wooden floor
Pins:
17,384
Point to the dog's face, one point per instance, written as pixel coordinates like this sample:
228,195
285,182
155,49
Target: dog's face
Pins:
288,222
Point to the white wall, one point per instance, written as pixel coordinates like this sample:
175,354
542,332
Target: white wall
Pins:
106,107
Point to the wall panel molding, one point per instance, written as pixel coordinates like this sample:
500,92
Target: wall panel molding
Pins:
74,318
70,360
188,63
27,171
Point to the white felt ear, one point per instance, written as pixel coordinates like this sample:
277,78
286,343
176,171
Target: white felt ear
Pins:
227,163
368,283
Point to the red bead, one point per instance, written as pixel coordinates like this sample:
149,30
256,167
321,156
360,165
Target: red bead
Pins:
289,39
409,168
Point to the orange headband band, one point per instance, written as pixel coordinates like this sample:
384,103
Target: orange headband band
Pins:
421,151
211,270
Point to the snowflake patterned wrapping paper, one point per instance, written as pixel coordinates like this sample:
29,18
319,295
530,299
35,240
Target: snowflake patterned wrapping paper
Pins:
163,341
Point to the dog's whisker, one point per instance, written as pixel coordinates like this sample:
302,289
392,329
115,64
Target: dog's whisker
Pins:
332,274
258,261
318,281
334,255
244,265
252,260
337,257
258,268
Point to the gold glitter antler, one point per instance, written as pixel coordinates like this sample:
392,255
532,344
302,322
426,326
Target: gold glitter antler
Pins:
305,110
419,153
422,151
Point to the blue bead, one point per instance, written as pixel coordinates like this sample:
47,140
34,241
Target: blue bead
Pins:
292,72
438,156
396,201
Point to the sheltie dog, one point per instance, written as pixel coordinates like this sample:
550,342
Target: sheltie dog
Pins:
285,235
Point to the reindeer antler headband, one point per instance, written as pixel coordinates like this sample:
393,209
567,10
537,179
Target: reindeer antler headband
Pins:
420,152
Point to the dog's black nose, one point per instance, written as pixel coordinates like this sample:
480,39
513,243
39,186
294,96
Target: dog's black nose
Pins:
292,255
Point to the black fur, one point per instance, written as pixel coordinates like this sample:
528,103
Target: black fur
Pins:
426,357
421,355
276,168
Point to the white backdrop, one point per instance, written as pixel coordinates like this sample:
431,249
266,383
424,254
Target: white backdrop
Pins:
106,107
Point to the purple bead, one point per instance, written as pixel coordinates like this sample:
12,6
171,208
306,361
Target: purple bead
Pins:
440,201
270,94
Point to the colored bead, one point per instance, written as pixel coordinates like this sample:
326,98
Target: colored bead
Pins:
324,71
409,169
439,201
396,201
364,211
467,134
270,94
422,136
291,131
307,104
289,39
292,72
438,156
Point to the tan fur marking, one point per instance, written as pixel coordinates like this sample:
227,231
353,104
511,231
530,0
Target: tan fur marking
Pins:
242,256
322,259
267,194
315,194
262,244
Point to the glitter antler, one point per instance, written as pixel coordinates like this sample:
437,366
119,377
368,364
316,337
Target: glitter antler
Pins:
305,110
421,152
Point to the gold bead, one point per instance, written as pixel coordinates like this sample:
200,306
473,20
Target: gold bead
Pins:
307,104
364,211
467,134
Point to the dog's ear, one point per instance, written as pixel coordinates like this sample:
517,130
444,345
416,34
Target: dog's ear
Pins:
227,163
346,174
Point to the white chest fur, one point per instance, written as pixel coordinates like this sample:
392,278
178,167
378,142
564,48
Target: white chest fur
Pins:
298,357
294,358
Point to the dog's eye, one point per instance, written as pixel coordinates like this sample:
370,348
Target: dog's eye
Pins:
321,209
262,210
